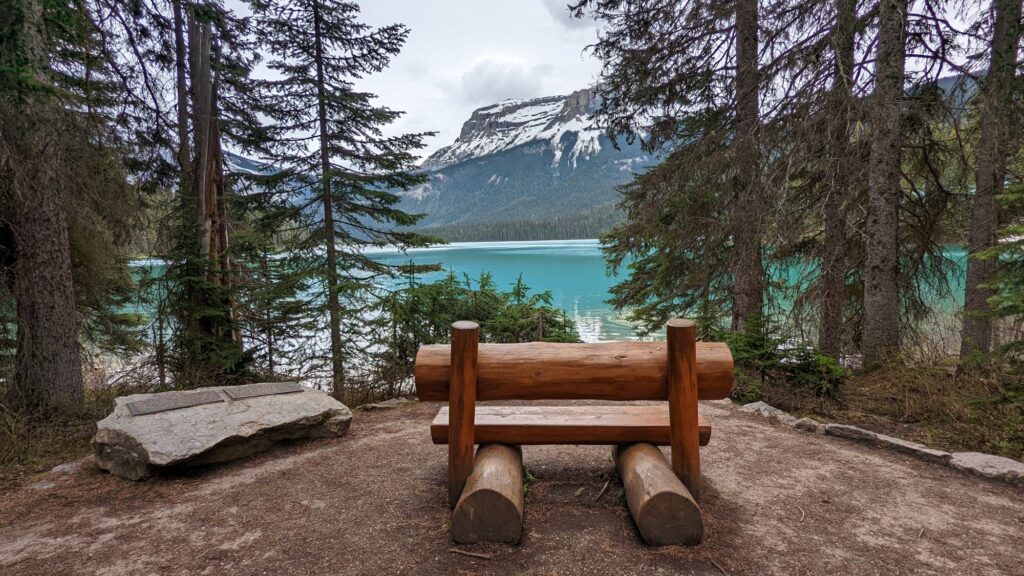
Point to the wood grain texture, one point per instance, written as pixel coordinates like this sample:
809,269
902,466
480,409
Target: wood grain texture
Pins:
682,402
491,506
660,504
601,425
462,401
603,371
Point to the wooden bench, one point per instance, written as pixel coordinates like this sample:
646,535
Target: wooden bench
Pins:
486,494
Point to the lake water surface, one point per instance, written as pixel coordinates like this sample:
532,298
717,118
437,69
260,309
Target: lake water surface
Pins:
575,273
573,270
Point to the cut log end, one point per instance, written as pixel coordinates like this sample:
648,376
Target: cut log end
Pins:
663,509
491,506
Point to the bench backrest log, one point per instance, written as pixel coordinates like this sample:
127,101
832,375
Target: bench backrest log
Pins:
680,370
552,371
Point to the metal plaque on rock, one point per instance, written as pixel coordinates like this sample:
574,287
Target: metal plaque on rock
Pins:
173,401
262,389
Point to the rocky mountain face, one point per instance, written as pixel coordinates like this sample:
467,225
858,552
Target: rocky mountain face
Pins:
535,164
512,123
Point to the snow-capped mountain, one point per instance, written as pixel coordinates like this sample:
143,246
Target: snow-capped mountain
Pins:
536,164
506,125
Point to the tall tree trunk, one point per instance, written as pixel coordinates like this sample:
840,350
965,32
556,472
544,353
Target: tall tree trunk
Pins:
747,266
333,306
47,366
181,88
880,338
213,340
833,257
201,43
996,104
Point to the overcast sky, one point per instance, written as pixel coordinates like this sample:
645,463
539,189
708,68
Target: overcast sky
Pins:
464,54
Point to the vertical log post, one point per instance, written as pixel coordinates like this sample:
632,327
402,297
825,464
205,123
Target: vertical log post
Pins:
682,402
461,406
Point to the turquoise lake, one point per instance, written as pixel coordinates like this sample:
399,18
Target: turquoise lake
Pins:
573,270
575,273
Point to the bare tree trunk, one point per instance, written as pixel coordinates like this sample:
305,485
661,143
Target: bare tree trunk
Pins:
880,340
181,87
203,190
996,103
201,39
833,258
333,306
47,366
747,266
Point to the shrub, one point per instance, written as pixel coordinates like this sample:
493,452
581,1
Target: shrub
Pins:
763,360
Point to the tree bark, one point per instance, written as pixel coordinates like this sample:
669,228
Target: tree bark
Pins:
833,257
880,339
201,40
996,103
181,87
747,266
333,306
47,373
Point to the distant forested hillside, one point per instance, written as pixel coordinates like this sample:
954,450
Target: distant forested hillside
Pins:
586,225
529,169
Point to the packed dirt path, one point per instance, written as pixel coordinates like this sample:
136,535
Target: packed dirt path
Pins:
776,501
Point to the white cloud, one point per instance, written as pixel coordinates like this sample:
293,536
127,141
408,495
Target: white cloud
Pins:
463,54
495,78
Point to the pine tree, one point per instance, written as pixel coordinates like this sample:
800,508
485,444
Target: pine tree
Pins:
834,261
998,94
337,165
748,204
685,78
212,59
65,200
880,338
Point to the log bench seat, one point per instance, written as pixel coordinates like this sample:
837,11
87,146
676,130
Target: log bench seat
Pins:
485,486
532,425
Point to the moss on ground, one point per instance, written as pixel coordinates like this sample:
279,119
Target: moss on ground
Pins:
928,403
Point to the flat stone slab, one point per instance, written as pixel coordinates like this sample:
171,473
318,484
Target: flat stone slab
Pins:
810,425
385,405
850,432
914,449
242,421
989,466
770,412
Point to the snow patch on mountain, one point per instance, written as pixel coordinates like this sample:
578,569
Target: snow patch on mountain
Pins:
513,123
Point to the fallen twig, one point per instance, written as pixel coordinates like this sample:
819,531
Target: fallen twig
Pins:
473,554
720,569
802,513
921,533
603,490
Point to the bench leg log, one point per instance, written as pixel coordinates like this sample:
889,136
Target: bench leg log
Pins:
662,507
491,506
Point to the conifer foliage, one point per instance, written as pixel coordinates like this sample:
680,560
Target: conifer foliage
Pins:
66,203
338,169
211,67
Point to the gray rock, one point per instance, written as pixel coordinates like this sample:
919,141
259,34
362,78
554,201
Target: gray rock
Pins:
770,412
851,432
62,474
881,440
989,466
71,468
386,404
135,446
810,425
913,448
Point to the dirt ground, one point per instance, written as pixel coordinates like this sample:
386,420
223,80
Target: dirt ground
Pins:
776,501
